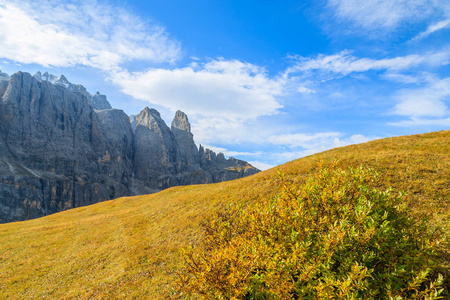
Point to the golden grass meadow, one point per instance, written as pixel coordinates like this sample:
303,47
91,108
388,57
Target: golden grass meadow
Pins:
130,247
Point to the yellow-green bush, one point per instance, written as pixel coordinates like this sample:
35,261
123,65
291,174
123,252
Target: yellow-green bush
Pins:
335,237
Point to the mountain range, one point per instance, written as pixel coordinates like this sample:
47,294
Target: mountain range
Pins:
61,148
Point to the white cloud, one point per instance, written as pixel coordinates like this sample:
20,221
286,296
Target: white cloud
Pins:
51,33
401,78
428,101
421,122
415,78
293,146
209,130
337,95
217,91
433,28
302,140
305,90
291,155
358,139
343,63
301,145
261,165
416,106
386,14
316,142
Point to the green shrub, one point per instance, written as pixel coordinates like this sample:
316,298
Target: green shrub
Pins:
335,237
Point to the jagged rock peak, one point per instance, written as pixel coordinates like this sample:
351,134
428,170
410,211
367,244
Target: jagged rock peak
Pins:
46,77
98,101
38,76
154,112
63,78
60,80
151,118
149,112
221,157
181,121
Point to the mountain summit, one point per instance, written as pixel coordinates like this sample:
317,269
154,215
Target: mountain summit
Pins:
61,147
98,101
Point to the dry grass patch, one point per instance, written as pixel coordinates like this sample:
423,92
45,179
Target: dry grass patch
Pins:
129,247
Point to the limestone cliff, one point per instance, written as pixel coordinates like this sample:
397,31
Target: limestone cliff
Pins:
56,153
156,157
61,147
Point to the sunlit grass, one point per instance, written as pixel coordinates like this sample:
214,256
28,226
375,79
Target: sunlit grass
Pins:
129,247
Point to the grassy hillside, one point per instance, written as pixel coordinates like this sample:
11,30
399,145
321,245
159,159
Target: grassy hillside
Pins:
129,247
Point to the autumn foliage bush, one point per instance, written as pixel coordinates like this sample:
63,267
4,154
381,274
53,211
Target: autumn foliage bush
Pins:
334,237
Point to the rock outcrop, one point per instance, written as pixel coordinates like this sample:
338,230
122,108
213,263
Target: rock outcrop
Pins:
61,148
156,152
189,155
98,101
223,169
57,152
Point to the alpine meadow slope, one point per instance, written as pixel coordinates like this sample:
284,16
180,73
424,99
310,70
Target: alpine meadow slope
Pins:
130,247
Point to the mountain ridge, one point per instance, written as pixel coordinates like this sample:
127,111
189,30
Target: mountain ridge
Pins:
62,147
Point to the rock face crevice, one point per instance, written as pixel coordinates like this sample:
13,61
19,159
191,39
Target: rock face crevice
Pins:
61,148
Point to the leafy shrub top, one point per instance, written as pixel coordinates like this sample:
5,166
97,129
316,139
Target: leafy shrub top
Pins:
335,237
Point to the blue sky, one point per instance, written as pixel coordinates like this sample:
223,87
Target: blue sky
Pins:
263,81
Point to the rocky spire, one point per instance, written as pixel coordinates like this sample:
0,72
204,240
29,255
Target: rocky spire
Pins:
62,80
189,155
156,150
150,118
180,121
38,76
48,77
99,102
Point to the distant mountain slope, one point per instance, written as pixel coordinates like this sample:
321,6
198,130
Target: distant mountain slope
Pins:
129,247
61,147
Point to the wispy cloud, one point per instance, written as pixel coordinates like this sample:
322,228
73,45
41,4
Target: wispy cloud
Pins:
385,15
344,63
418,78
445,24
317,141
231,102
428,101
304,144
420,106
303,140
421,122
296,145
79,33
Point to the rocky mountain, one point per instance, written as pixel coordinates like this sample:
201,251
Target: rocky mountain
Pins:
98,101
61,147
